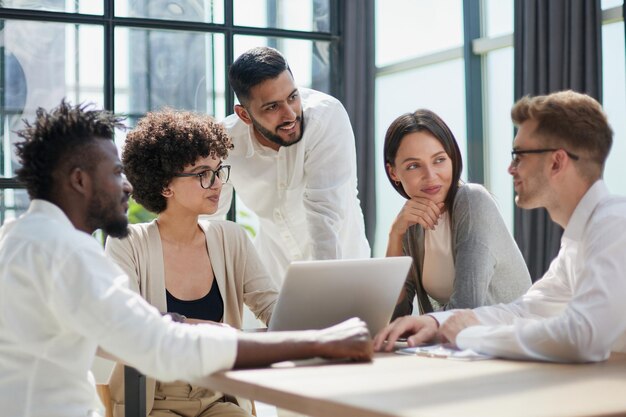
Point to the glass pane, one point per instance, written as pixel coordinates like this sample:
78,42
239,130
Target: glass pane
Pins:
304,15
440,88
41,64
74,6
157,68
607,4
309,60
13,203
614,97
207,11
410,28
499,129
499,17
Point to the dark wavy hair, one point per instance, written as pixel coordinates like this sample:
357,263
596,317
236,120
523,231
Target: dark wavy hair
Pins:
423,120
162,144
60,138
252,68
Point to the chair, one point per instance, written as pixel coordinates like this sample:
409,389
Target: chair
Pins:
134,390
104,392
135,394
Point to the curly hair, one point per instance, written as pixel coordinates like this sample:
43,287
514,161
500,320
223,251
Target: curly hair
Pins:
162,144
60,138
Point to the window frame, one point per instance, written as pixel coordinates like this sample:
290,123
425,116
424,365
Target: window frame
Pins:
108,21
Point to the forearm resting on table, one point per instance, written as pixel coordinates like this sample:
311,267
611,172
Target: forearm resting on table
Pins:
347,340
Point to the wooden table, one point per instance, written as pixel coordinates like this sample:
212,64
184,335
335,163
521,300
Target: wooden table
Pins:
397,385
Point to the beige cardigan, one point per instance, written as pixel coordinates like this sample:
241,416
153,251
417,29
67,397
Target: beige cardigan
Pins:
240,274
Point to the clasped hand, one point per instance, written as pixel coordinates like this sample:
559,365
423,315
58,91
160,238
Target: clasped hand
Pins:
417,210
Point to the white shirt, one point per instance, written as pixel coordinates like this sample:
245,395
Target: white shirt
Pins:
577,311
60,298
438,271
305,195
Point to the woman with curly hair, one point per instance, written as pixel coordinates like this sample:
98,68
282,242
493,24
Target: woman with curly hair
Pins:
194,270
463,254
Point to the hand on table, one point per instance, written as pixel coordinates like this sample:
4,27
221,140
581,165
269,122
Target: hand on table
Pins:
348,339
460,320
417,330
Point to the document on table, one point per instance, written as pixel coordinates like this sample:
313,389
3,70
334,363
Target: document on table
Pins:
444,351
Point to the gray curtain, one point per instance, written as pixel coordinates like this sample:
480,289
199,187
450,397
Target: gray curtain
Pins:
557,47
358,97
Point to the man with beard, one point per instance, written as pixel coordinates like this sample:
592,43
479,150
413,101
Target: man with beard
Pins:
61,297
576,312
293,165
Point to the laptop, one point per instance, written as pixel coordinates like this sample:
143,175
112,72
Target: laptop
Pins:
318,294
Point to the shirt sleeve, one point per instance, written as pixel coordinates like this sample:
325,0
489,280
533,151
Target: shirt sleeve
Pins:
475,219
574,314
330,172
92,298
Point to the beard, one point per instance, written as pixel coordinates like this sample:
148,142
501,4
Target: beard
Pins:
105,215
273,136
532,194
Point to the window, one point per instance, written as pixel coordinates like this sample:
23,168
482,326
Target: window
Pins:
419,60
420,64
309,16
498,129
614,101
498,90
139,55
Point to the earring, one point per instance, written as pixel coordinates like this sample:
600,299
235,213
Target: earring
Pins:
397,183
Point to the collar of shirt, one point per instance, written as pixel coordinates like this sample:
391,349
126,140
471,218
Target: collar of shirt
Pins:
583,211
253,146
50,210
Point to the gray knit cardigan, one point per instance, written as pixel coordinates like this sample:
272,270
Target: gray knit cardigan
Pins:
489,267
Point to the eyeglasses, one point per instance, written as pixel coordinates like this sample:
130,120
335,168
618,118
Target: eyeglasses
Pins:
515,159
207,177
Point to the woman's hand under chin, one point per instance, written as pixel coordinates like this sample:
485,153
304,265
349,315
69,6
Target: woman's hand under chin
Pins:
417,210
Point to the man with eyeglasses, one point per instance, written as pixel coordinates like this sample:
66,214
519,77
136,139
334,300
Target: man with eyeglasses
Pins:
61,298
576,312
294,165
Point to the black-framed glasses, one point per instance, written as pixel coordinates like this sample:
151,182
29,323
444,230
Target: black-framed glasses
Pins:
207,177
516,152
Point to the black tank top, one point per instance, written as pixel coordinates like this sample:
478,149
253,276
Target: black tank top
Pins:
209,307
